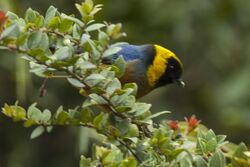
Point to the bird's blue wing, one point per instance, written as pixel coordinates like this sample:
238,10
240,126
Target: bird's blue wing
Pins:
128,52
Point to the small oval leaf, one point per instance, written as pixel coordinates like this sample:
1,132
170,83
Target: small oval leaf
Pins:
37,132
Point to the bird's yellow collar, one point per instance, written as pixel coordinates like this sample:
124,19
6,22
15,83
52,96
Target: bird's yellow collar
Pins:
159,65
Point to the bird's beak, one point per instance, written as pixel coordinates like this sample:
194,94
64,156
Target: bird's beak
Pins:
180,82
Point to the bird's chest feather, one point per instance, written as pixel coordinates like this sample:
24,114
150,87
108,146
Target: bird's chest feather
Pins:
136,72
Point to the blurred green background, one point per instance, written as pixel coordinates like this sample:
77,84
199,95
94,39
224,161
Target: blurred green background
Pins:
211,37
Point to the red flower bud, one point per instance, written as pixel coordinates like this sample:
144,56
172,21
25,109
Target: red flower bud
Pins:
192,122
173,124
3,18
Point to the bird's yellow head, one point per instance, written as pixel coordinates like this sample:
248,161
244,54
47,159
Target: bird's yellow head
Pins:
165,68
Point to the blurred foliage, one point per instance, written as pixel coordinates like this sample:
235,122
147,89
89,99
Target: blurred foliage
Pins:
212,39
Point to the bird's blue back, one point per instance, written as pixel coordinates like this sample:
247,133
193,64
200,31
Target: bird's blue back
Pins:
129,53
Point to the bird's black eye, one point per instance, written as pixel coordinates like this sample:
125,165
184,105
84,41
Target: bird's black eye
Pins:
174,69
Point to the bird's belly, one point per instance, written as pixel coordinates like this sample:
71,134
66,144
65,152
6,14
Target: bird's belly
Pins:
138,76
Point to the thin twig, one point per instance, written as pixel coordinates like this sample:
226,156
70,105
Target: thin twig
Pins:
129,149
61,35
42,89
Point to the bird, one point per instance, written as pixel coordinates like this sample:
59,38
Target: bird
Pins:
150,66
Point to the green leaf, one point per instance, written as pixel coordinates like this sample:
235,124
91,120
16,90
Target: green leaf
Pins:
19,113
247,153
94,27
54,23
112,157
114,31
220,138
11,31
37,68
37,132
36,52
239,152
113,86
201,135
122,109
44,43
123,100
12,16
49,128
48,73
100,120
80,9
38,41
64,53
75,20
85,38
133,131
65,26
123,127
121,64
30,16
159,114
98,99
200,162
77,31
93,48
175,153
132,86
51,12
106,73
75,82
210,135
39,21
211,145
103,38
185,162
46,116
29,123
34,113
96,9
94,79
21,40
7,110
111,51
88,102
15,112
85,9
98,90
34,40
62,117
4,48
141,108
129,162
85,162
85,115
85,65
90,3
201,146
239,158
217,160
